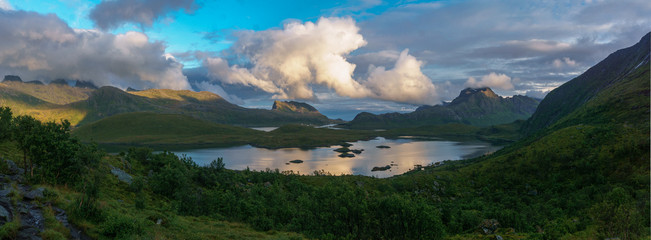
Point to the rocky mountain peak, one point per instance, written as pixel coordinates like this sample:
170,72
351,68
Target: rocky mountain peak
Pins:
292,106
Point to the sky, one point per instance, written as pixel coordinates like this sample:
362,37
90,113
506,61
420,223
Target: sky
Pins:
342,56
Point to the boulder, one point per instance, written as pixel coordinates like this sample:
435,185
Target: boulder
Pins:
383,146
296,161
488,226
5,215
34,194
121,175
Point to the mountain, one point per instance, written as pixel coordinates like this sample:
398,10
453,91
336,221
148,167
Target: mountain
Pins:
293,107
85,84
11,78
478,107
83,105
567,98
581,173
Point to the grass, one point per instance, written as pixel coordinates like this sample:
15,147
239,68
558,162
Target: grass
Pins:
173,131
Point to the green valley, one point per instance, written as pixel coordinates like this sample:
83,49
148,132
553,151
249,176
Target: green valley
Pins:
576,165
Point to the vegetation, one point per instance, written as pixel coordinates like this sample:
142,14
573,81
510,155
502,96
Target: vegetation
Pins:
82,106
584,175
163,131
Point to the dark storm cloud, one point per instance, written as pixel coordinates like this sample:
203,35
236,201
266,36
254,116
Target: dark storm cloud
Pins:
112,14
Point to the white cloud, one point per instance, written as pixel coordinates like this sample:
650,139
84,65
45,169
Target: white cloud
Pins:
44,47
558,63
216,89
288,61
492,80
404,83
4,5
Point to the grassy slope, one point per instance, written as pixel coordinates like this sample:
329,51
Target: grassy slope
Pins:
144,128
83,106
117,201
53,93
560,179
165,131
23,103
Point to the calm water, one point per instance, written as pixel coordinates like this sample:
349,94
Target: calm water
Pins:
403,154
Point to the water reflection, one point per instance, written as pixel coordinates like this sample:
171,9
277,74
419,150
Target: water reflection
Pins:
403,154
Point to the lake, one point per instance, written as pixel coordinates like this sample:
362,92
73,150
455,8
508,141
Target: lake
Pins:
403,154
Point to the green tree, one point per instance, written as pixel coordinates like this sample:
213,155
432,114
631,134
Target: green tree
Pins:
24,129
5,123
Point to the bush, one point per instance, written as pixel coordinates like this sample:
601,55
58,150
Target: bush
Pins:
120,226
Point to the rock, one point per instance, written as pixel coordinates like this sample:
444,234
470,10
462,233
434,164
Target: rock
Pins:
159,221
34,194
13,168
346,155
488,226
63,218
387,167
27,232
296,161
122,176
5,192
383,146
5,216
357,151
346,145
498,237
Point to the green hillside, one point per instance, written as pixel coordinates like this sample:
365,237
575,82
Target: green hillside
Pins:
169,131
584,177
145,128
82,106
573,94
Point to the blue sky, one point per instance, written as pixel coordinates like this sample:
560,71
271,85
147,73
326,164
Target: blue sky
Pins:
341,56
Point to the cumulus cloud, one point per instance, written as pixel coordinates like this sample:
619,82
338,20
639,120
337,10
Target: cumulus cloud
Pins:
4,5
111,14
404,83
288,61
492,80
44,47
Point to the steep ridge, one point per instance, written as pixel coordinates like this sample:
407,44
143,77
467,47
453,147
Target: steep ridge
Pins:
583,175
577,92
479,107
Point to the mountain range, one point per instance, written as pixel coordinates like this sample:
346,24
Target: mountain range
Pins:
85,103
478,107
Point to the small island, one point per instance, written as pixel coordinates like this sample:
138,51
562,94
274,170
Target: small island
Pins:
387,167
383,146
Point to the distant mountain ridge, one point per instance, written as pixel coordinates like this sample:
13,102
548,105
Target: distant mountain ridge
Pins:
479,107
83,104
